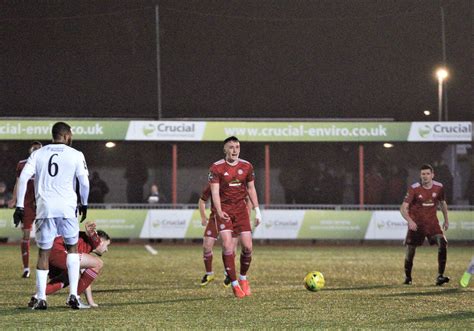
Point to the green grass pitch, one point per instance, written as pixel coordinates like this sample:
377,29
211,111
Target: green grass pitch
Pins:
363,289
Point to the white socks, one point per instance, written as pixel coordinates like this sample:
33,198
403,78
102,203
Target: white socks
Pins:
73,267
41,280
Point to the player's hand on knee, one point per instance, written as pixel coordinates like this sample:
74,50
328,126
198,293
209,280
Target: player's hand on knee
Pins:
18,215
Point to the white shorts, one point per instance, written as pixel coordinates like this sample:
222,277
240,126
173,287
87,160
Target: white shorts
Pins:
49,228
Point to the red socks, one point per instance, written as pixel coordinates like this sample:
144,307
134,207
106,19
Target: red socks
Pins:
58,282
245,259
53,287
86,279
229,265
207,257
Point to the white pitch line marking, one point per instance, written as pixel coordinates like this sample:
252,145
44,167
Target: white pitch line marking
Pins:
151,250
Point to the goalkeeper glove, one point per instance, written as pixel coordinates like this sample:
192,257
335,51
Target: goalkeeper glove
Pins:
18,215
82,212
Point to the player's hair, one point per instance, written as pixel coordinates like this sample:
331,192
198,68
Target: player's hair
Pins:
427,166
60,129
103,234
34,146
231,138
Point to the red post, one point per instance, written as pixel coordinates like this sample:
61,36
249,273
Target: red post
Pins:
361,176
174,175
267,175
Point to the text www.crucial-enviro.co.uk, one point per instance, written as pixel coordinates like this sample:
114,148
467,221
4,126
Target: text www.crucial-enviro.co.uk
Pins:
301,131
19,128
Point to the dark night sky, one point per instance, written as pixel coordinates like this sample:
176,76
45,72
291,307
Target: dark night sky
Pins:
220,59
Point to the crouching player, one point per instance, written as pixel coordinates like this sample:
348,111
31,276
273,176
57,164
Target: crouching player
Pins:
90,241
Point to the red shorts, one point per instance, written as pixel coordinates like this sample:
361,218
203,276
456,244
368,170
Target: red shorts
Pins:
57,259
211,228
29,218
239,219
425,230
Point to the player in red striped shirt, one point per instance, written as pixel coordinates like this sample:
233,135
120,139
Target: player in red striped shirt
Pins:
30,210
232,180
419,210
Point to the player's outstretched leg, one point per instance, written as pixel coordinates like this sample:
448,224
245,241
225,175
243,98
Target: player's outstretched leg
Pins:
442,257
42,270
228,259
245,260
25,257
466,277
227,281
209,275
409,256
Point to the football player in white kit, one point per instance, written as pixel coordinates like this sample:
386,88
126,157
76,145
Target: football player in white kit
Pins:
56,167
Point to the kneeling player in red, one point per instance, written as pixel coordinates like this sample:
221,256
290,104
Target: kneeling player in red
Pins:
90,241
232,180
419,210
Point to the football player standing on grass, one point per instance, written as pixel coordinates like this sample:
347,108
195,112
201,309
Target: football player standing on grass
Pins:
232,180
56,168
211,233
30,211
419,210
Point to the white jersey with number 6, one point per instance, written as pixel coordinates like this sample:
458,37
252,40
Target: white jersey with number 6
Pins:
55,167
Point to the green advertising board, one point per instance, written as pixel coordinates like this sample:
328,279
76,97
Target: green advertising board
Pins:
331,224
258,131
279,224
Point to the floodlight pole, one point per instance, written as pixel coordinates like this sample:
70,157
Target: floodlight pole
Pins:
443,48
267,175
361,176
158,61
440,99
174,174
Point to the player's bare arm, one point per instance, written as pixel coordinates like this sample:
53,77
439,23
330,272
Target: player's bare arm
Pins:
404,211
444,210
12,202
202,211
216,199
254,200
